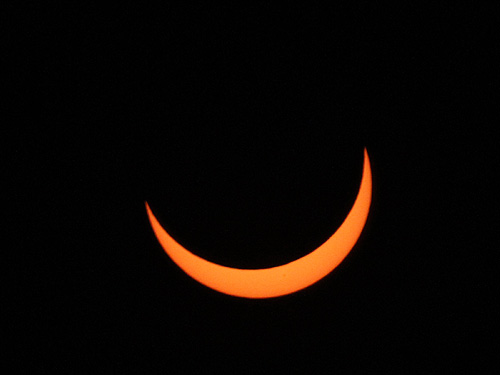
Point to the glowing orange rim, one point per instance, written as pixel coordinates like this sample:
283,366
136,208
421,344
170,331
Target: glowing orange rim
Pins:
281,280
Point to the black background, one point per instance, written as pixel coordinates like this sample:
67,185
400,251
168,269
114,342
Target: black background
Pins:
244,129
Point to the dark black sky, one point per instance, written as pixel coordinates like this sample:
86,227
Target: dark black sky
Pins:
244,129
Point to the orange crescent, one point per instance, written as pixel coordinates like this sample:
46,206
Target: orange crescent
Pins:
281,280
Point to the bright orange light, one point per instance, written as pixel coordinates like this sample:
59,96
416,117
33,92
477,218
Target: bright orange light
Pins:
280,280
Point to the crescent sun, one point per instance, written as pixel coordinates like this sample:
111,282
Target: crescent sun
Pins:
280,280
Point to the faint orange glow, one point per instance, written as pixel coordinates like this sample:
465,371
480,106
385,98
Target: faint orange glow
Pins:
276,281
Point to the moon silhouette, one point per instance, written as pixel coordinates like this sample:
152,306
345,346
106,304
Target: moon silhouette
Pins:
280,280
